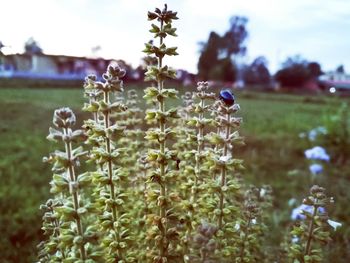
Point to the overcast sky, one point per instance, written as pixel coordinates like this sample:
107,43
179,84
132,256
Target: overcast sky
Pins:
316,29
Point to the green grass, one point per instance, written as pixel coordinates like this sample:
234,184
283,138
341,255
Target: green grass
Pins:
271,126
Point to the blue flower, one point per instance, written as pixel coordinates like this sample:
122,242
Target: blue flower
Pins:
317,153
227,97
298,213
314,133
316,168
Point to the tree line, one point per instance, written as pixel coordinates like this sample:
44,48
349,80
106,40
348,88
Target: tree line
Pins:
220,58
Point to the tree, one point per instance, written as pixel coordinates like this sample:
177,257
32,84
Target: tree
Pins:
257,73
216,61
1,55
314,69
1,46
32,47
340,69
224,70
209,56
234,39
296,72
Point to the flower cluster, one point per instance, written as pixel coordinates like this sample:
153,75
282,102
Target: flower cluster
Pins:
314,134
317,153
163,233
312,229
298,213
65,220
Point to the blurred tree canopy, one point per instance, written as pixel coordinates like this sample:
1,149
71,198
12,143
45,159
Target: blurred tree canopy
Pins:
296,71
32,47
216,61
1,46
340,69
257,73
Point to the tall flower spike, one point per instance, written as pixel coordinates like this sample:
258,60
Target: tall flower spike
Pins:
164,234
68,215
194,155
105,134
224,186
313,229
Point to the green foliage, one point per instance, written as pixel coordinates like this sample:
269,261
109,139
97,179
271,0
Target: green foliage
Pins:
257,73
297,71
269,119
216,60
337,137
160,189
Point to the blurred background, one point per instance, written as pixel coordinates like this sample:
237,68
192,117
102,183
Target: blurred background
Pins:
286,61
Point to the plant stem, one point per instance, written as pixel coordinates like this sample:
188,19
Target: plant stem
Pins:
162,152
109,151
223,171
311,228
68,146
199,151
241,254
110,168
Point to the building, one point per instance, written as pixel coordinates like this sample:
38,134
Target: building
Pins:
51,67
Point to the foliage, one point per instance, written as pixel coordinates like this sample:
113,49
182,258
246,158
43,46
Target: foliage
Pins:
257,73
337,137
313,228
216,61
296,72
22,192
340,69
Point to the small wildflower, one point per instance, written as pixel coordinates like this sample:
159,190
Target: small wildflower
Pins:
292,201
297,213
314,133
334,224
317,153
302,135
262,192
316,168
237,226
295,239
225,158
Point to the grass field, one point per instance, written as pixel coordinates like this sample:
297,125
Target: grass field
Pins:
274,155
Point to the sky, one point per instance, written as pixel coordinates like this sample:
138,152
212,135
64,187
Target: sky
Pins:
318,30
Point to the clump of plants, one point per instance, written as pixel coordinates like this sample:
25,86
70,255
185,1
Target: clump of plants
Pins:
155,187
312,230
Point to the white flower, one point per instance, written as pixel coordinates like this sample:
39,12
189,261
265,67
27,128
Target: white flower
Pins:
262,192
316,168
312,135
315,132
334,224
295,239
224,159
254,221
322,130
237,226
317,153
302,135
292,201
